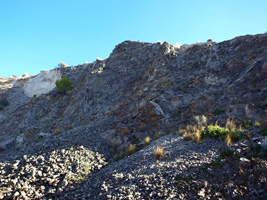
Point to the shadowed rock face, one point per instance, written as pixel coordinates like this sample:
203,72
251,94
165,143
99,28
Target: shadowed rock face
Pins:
145,88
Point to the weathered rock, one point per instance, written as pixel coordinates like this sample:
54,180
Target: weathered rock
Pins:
141,90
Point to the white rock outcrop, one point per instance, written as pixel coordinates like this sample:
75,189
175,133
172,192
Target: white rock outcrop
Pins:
42,83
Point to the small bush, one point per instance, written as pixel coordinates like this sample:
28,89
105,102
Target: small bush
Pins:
131,149
159,152
214,131
64,84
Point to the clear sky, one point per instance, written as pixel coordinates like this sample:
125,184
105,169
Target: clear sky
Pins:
36,35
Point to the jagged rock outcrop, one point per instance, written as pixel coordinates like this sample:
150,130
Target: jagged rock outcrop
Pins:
142,89
136,90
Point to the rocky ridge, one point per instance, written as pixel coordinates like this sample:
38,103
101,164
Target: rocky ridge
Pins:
62,146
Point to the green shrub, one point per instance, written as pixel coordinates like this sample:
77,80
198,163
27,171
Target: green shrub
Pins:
215,131
64,84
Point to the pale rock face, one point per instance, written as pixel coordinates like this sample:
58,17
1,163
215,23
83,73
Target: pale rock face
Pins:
43,83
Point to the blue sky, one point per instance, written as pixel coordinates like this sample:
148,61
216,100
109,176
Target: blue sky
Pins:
37,34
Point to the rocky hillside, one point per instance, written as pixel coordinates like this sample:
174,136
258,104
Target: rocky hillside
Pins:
76,144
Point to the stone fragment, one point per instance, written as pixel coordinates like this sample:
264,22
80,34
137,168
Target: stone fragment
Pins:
244,163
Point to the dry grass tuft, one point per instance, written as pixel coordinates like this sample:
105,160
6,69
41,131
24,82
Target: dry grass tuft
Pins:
257,124
159,152
131,149
187,136
197,136
228,139
230,125
147,141
181,130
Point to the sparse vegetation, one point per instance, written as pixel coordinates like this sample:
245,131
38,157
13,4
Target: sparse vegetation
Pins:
147,141
197,136
159,152
228,139
214,176
230,133
246,123
187,137
131,149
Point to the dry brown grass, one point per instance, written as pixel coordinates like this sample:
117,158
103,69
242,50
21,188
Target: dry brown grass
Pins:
159,152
